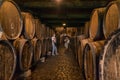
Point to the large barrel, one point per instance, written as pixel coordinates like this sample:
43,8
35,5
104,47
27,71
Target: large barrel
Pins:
112,18
24,53
81,30
51,32
43,31
82,43
7,60
48,45
37,49
96,24
110,59
44,47
38,29
29,25
79,38
73,44
91,54
11,19
86,28
47,32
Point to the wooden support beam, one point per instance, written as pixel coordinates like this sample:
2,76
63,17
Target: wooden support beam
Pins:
69,22
81,4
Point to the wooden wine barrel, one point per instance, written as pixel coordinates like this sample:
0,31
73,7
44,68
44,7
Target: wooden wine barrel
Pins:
91,54
110,58
44,31
29,25
76,44
44,49
83,42
48,45
47,32
24,50
7,60
79,31
79,38
96,24
37,49
111,19
51,32
86,28
72,44
38,29
11,19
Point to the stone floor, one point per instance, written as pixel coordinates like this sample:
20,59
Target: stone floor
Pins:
60,67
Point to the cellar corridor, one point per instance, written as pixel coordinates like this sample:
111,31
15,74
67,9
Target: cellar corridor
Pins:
61,67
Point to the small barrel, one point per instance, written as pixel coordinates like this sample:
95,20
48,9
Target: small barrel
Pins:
96,24
24,50
11,19
112,18
109,66
91,54
7,60
82,43
29,25
37,49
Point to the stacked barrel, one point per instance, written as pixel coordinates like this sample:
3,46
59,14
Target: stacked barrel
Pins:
98,52
23,40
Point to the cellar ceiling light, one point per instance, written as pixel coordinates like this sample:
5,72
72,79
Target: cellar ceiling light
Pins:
64,24
58,1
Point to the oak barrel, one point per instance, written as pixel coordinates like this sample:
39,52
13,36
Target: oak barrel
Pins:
110,58
91,54
47,32
111,18
44,47
11,19
7,60
72,44
37,49
86,28
29,25
44,31
24,54
79,38
38,29
96,24
48,45
82,43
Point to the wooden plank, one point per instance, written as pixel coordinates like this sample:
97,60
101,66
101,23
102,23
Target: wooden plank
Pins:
82,4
